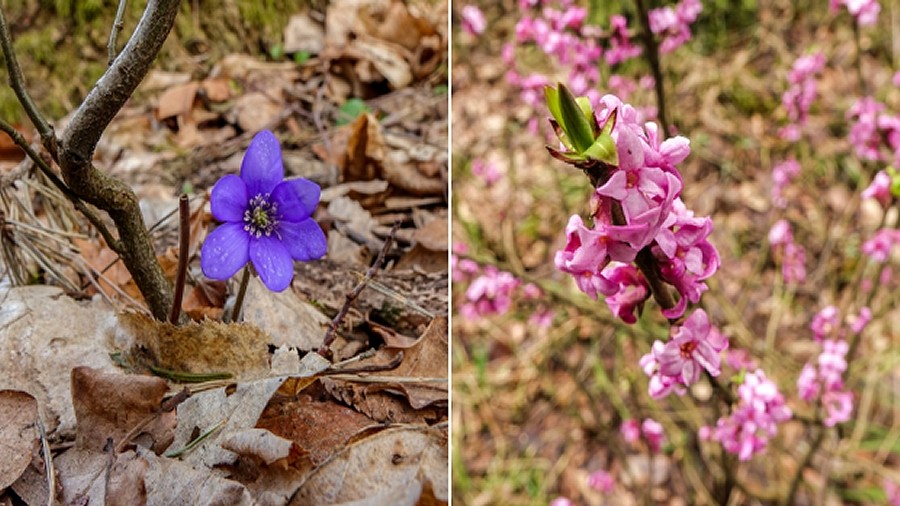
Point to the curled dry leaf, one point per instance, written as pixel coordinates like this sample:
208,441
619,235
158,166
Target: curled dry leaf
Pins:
396,466
259,444
109,405
18,434
170,481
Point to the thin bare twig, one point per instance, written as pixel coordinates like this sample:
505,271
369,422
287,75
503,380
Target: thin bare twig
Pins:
167,406
184,225
652,49
324,350
45,168
117,26
17,82
48,463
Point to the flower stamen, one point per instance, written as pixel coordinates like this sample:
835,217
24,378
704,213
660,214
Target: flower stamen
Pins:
261,216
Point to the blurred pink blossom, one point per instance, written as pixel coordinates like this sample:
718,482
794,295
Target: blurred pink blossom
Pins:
879,189
601,481
473,21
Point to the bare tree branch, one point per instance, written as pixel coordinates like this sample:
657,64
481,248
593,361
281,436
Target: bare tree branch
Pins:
17,82
119,81
117,26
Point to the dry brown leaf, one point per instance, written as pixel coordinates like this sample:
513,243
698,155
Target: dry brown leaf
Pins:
206,301
426,358
396,24
434,235
170,481
82,476
40,347
303,34
126,485
396,466
217,89
318,428
365,150
238,348
259,444
18,434
283,316
109,405
177,100
422,259
379,60
255,111
239,407
411,176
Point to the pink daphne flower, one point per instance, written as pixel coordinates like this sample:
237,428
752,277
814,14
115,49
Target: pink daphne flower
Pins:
473,21
825,322
879,189
693,347
631,430
878,248
892,491
601,481
864,11
653,433
754,420
489,294
633,291
674,24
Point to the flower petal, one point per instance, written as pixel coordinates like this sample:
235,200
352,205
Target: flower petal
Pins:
296,198
262,169
225,251
304,240
228,199
272,261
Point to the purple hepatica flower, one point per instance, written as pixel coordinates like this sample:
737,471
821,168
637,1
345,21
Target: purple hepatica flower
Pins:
266,219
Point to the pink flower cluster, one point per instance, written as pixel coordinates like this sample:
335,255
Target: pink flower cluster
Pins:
489,294
864,11
677,364
473,21
491,291
824,381
782,174
560,32
872,129
878,248
800,95
673,24
793,256
753,421
642,196
620,46
652,430
487,171
879,189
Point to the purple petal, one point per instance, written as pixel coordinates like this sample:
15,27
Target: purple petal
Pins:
228,199
296,199
707,357
261,169
304,240
225,251
272,261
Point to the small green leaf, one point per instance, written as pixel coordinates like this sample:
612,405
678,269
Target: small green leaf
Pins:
552,96
276,52
576,126
604,149
301,57
350,110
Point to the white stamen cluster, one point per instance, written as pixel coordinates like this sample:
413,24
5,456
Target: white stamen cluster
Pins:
261,216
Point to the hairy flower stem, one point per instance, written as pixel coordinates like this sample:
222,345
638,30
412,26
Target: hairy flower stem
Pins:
652,48
239,301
